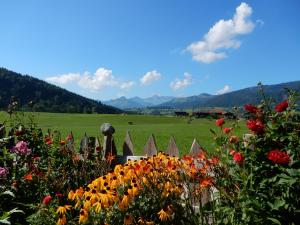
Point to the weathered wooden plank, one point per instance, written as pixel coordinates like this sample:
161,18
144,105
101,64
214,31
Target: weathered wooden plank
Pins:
172,149
84,144
128,149
150,148
195,148
109,147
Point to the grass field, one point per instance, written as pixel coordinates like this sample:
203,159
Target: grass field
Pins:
142,127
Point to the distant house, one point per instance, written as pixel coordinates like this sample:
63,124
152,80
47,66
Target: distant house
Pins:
214,115
229,115
181,114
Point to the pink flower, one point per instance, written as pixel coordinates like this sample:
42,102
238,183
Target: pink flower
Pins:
21,148
220,122
238,157
282,106
278,157
232,152
3,173
47,199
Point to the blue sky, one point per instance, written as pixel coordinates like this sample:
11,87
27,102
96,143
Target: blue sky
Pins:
106,49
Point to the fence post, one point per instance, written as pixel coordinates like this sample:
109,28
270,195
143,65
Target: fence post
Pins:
172,149
150,148
128,149
109,146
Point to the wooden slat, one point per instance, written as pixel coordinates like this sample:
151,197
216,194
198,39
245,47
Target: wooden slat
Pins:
84,144
109,146
172,149
128,149
150,148
195,148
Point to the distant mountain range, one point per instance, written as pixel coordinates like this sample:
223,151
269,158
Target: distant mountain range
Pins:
45,97
137,102
236,98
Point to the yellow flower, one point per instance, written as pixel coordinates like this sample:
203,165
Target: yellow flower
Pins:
103,196
125,199
62,220
71,195
97,206
83,216
164,214
61,210
128,219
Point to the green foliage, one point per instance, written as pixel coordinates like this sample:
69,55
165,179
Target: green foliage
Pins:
34,166
262,187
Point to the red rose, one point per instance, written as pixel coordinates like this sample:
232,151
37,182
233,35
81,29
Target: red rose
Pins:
278,157
238,157
47,199
62,142
226,130
59,195
251,108
220,122
282,106
50,142
256,126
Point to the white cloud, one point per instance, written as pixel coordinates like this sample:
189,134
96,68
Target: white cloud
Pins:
150,77
64,79
127,85
223,36
178,84
101,79
224,90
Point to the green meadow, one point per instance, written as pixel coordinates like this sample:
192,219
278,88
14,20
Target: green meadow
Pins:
139,126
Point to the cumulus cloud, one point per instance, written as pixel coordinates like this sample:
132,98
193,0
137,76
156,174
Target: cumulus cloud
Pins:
101,79
224,90
223,35
179,84
127,85
150,77
64,79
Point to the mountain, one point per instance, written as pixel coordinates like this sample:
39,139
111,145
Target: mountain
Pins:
252,95
137,102
236,98
46,97
186,102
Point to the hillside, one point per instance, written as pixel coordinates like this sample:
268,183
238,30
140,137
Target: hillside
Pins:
252,95
46,97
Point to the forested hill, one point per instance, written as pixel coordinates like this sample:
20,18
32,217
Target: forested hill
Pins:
46,97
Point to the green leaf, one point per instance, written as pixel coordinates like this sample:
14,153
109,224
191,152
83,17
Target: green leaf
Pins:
275,221
278,203
8,193
5,221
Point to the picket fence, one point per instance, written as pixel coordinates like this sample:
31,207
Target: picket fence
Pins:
109,149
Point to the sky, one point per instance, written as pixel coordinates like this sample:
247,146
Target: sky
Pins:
104,49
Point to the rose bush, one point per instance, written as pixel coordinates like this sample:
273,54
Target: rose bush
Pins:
258,178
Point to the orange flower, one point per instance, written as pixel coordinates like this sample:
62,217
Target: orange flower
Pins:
206,182
28,177
110,157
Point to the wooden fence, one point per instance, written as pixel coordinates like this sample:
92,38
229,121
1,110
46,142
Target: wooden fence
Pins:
109,148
